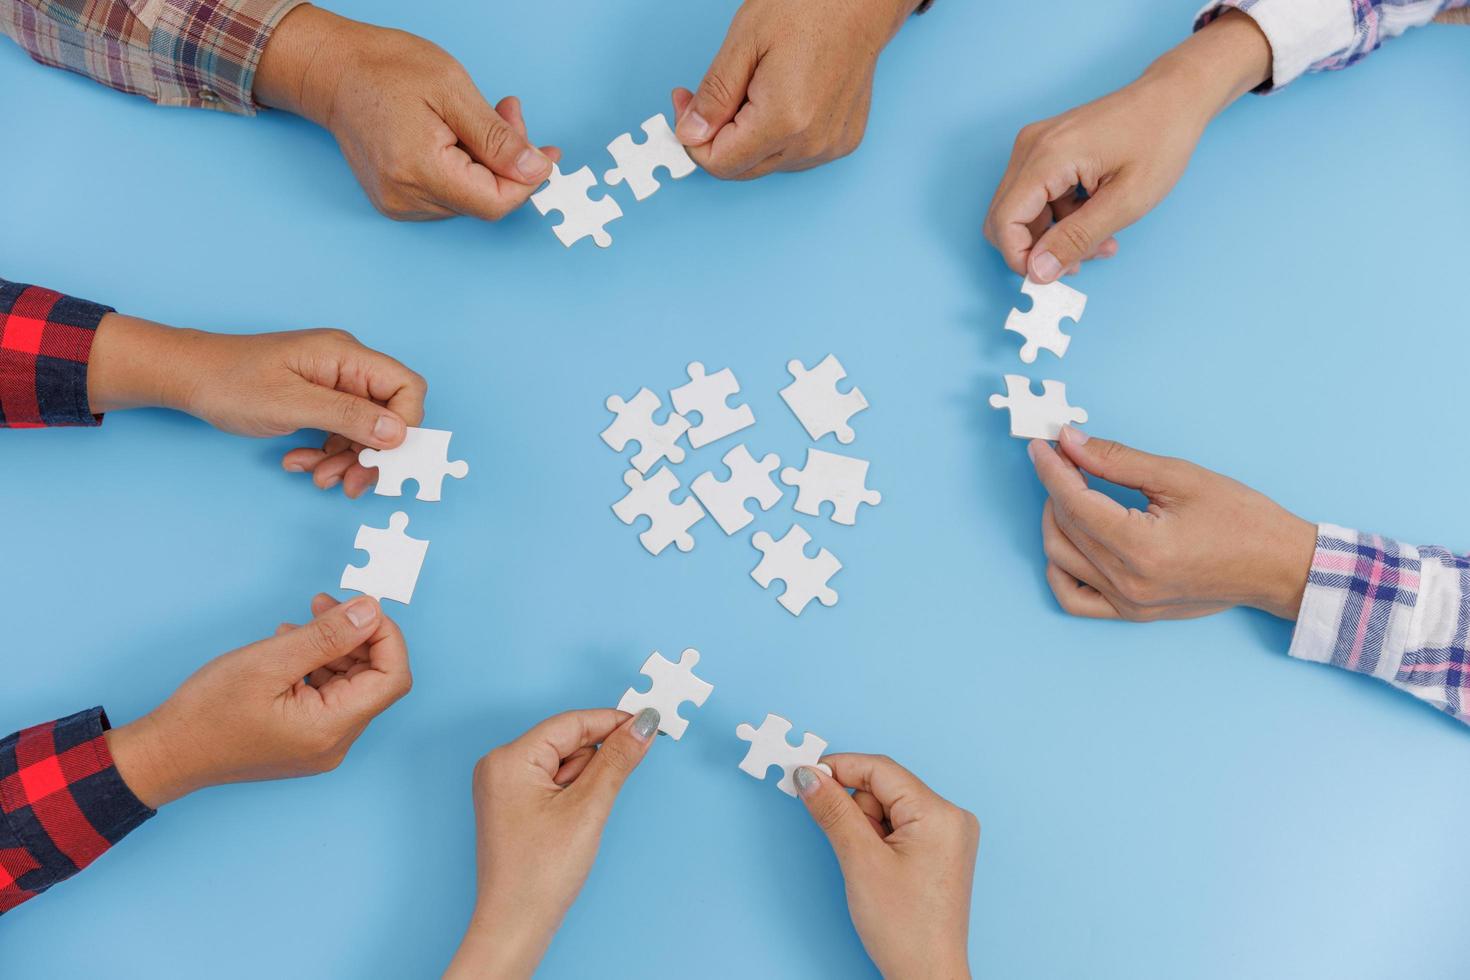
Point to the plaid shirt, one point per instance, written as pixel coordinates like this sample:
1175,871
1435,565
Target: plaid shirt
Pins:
1397,612
62,804
45,344
200,53
1324,35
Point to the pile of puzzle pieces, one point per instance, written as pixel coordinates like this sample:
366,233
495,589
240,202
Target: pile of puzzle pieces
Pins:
1043,416
826,477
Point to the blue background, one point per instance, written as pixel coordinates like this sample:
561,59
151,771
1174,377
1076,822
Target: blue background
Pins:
1171,800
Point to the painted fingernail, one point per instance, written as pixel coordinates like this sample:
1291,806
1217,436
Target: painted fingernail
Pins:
1075,435
1045,266
645,724
361,612
387,428
693,127
806,780
532,164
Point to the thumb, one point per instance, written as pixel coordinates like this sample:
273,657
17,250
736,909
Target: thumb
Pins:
1112,461
840,818
494,142
719,96
358,419
335,633
618,756
1079,234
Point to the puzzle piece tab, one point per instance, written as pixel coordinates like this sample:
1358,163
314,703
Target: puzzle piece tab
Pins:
817,403
725,499
394,561
829,476
582,215
669,522
634,423
423,457
770,747
1042,324
673,684
707,394
1037,416
637,161
805,578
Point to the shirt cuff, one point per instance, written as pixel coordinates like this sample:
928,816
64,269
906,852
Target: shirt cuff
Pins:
206,52
1301,33
45,347
63,804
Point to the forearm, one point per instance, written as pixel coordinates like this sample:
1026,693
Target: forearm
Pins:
502,942
1217,64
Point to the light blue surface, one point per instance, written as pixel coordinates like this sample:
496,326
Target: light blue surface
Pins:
1175,800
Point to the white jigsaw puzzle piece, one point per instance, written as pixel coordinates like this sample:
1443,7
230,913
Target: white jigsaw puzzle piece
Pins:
770,747
669,522
394,561
829,476
634,422
423,457
1037,416
707,394
725,499
637,161
582,215
817,403
1042,324
673,684
805,578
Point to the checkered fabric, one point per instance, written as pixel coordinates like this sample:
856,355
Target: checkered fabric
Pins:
45,344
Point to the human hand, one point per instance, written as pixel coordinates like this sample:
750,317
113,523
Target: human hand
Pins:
540,806
1127,150
907,858
791,86
1205,544
287,706
415,130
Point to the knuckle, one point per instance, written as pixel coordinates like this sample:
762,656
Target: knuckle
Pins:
615,756
327,637
828,812
716,89
1076,235
497,138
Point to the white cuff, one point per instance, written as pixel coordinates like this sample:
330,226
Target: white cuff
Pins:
1301,32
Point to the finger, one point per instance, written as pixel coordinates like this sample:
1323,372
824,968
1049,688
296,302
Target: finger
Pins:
750,140
776,161
466,187
720,94
302,460
328,636
321,602
358,480
901,794
355,416
549,743
1110,209
509,109
1061,551
1069,203
491,140
285,628
383,677
1018,203
329,472
617,757
847,827
573,765
1117,463
1078,598
872,809
1099,516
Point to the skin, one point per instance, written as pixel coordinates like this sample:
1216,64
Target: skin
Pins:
790,87
263,385
288,706
1127,150
422,140
1205,544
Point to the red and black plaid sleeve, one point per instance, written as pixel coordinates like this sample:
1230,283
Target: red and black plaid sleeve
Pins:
45,344
62,804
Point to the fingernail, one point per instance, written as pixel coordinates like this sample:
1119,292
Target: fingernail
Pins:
295,468
332,482
532,164
693,127
1031,449
361,612
645,724
387,428
1075,435
806,780
1045,267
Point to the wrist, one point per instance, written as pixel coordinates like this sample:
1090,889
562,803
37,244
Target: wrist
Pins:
1216,65
298,69
129,366
147,763
502,941
1287,567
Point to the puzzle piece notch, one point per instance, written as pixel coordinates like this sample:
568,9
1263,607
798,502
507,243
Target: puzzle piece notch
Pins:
1042,324
749,479
708,395
1037,416
672,685
831,477
394,561
582,214
769,746
634,423
636,162
817,403
806,578
669,522
422,457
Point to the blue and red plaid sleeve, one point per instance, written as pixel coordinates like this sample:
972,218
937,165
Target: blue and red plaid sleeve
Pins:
1390,610
62,804
45,346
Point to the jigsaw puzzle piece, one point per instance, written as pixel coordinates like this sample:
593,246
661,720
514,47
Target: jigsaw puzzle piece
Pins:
831,477
1037,416
725,499
393,564
817,403
634,423
769,746
805,578
423,457
708,395
582,214
669,523
672,685
636,162
1042,324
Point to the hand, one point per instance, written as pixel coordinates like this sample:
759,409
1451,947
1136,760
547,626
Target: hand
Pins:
1206,543
288,706
791,86
907,857
415,130
540,806
264,385
1127,150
